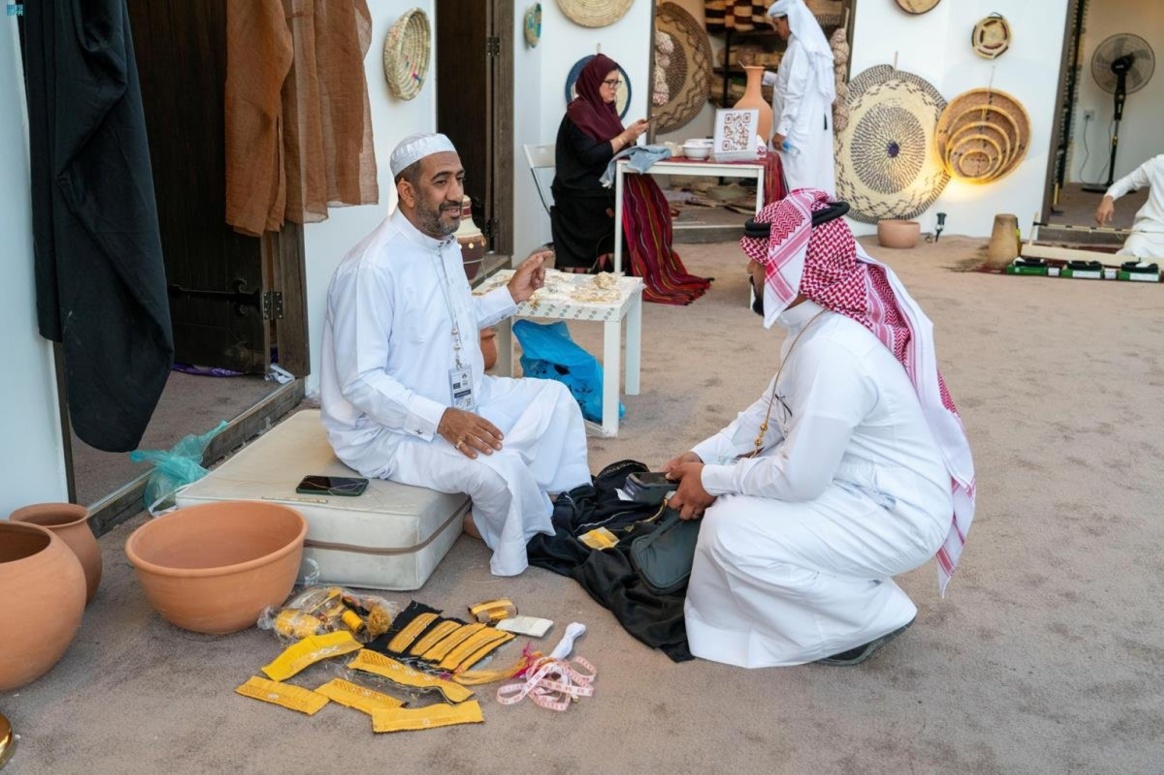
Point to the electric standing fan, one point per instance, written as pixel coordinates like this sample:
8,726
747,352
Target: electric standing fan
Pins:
1121,64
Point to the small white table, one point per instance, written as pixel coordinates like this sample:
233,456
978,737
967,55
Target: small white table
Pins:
682,167
629,305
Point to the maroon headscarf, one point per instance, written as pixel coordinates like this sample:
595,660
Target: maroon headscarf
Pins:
589,113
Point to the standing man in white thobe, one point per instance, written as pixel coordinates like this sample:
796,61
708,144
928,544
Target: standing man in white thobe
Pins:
403,385
1147,237
802,98
851,468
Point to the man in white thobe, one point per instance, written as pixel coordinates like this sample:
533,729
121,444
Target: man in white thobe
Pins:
851,468
1147,237
804,88
403,385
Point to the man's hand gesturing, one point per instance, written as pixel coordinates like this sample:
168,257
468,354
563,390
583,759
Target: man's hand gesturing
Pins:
530,276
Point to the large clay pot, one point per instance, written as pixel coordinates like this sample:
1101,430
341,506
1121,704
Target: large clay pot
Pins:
71,523
213,568
489,347
471,240
754,98
42,598
893,233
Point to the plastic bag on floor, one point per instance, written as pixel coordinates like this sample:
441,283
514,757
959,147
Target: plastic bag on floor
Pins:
174,468
548,352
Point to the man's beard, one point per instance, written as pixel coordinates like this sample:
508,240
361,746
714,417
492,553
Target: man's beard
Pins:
757,298
430,221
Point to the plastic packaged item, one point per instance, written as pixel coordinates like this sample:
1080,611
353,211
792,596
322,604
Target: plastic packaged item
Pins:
319,610
789,148
174,468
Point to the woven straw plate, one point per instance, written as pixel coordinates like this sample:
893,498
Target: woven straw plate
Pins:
594,13
991,37
917,6
968,135
887,162
689,73
406,54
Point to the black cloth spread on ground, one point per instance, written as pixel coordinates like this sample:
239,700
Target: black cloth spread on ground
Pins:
608,575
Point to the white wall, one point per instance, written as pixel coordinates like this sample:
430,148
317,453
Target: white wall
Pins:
32,462
936,46
1140,135
392,120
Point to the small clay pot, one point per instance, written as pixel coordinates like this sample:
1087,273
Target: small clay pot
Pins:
214,567
71,523
489,347
898,234
42,598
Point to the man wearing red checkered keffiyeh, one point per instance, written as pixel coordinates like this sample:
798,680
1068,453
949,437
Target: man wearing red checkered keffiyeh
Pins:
851,468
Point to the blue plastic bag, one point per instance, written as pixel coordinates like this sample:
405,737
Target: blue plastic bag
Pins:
174,468
548,352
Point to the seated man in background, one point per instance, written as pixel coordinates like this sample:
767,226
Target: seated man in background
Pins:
1147,237
403,385
851,468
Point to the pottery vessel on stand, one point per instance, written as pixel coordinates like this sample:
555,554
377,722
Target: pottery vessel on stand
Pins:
71,523
42,598
471,240
754,99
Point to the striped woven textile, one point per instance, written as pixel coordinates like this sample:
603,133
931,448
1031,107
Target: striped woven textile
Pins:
646,224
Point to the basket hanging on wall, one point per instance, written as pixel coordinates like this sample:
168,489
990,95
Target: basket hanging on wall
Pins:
688,70
991,36
982,135
887,165
406,54
594,13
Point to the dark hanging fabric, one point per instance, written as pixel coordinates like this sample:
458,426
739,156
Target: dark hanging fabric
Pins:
100,280
608,575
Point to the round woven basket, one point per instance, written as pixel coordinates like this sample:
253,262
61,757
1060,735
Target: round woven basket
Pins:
406,54
991,37
917,6
982,135
689,72
887,163
594,13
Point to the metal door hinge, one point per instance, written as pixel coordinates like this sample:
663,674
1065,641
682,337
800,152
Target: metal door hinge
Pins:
272,305
492,46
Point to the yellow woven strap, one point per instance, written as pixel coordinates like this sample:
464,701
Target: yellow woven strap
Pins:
442,649
428,717
386,667
358,697
480,643
287,695
309,651
434,636
405,637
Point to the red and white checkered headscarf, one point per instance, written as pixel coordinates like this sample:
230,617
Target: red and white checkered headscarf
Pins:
828,266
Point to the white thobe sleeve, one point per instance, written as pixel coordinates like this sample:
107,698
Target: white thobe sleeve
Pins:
827,398
1133,181
494,307
739,438
362,314
797,87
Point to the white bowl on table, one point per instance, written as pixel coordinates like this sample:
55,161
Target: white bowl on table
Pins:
699,150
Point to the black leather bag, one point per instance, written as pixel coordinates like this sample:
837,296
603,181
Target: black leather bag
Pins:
664,556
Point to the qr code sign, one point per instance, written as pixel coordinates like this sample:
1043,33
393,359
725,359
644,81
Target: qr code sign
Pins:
737,131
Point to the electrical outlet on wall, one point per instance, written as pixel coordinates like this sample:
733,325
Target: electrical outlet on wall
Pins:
1088,115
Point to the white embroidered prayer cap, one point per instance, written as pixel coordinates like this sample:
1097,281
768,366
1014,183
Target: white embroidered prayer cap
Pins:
415,147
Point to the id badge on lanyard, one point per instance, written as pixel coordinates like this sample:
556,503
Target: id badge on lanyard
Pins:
461,388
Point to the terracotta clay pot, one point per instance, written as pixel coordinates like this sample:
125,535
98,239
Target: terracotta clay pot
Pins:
489,347
42,598
471,240
898,234
214,567
754,98
71,523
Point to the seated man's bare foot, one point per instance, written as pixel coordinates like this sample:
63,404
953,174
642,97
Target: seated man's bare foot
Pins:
470,528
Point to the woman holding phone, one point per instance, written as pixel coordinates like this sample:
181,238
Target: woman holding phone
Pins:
582,218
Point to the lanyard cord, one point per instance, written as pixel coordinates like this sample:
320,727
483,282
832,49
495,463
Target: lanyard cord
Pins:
444,283
759,442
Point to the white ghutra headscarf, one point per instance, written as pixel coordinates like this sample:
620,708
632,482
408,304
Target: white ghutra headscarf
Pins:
808,33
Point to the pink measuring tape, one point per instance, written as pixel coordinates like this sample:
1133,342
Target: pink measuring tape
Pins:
553,684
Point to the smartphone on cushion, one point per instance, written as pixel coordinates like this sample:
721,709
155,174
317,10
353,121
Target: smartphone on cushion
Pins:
316,484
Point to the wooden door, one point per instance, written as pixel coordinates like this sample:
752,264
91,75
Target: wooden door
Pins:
223,306
474,83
